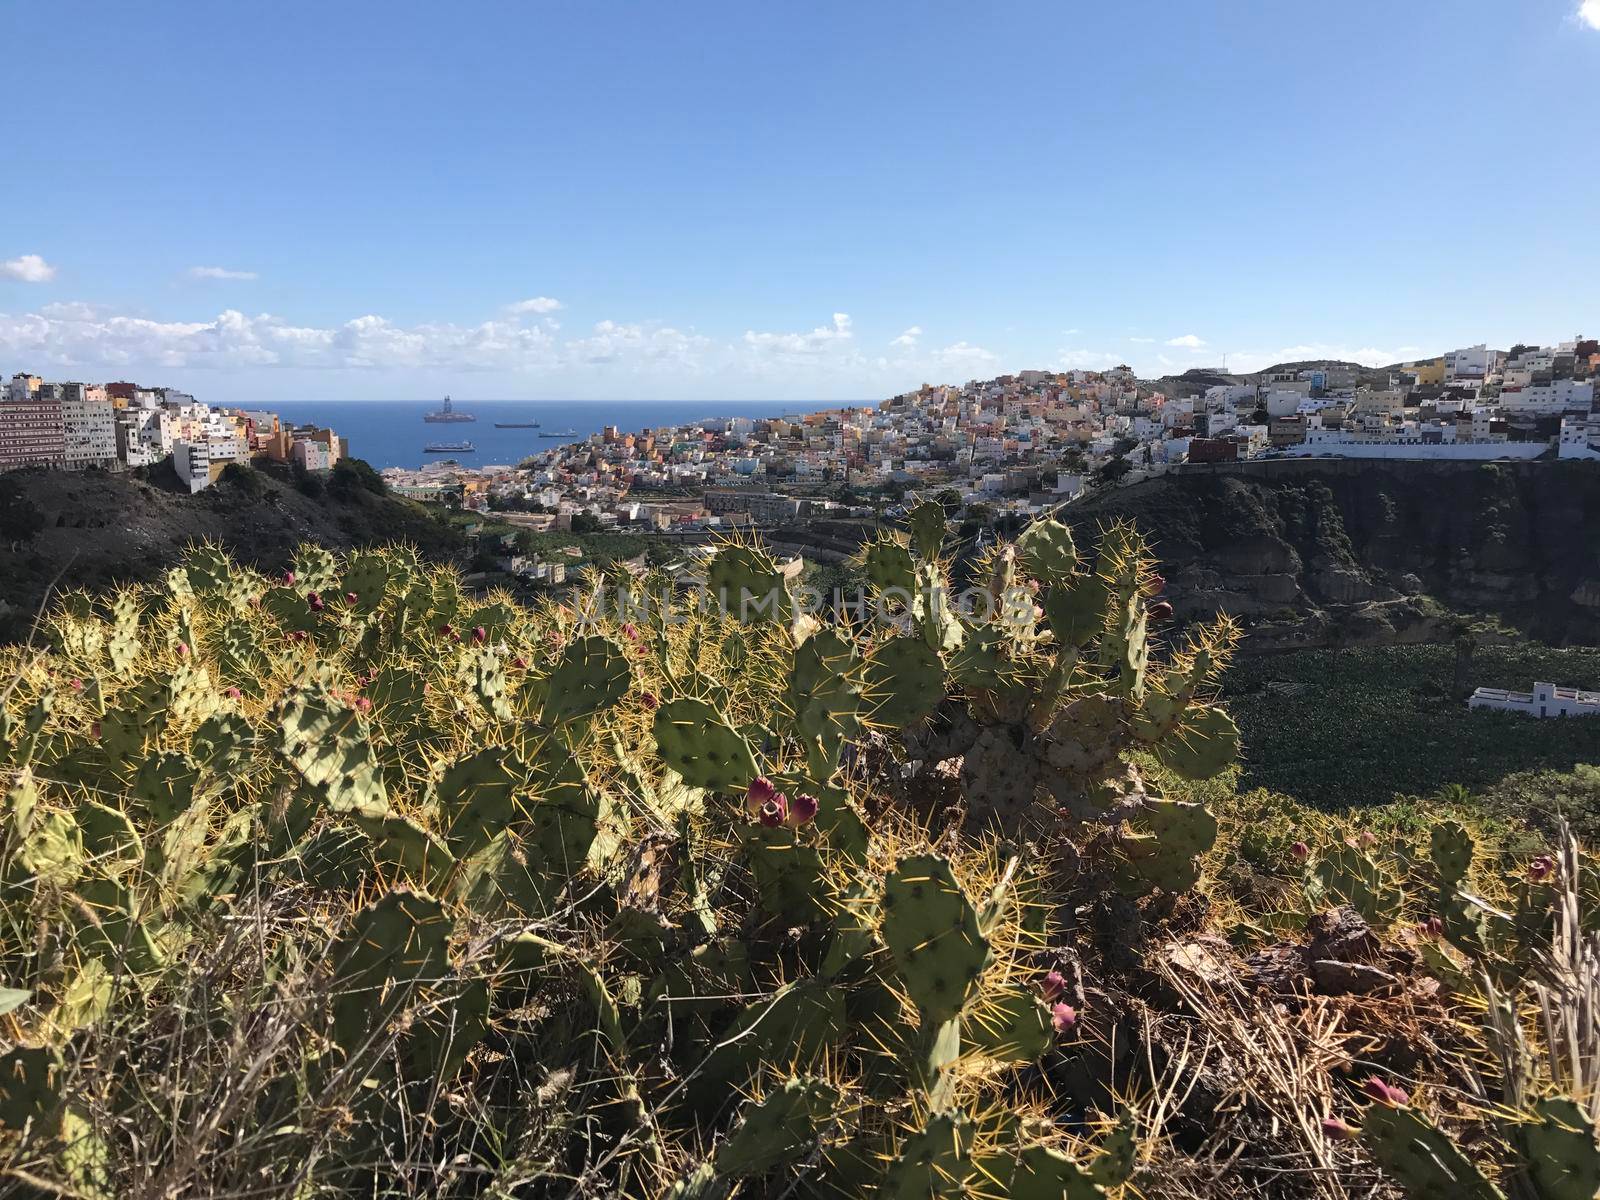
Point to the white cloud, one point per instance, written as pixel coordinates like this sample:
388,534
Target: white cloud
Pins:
801,345
908,338
963,356
539,305
221,273
640,345
1589,13
1071,332
1086,360
76,340
29,268
1188,341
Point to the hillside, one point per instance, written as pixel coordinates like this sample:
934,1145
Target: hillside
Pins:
1337,553
93,529
414,892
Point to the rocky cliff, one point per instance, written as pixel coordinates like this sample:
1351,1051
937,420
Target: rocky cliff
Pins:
1331,552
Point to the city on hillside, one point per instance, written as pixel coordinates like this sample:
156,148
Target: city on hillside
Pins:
1019,443
119,426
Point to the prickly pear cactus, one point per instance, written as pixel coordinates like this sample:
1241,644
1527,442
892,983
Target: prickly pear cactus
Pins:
592,674
1421,1158
394,947
697,742
325,743
744,581
904,682
931,930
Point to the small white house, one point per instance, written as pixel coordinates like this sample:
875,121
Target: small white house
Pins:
1546,700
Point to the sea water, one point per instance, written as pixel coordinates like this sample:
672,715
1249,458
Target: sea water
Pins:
392,433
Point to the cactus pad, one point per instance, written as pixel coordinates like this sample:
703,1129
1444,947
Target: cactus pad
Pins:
931,930
392,948
904,681
325,742
745,582
29,1085
1045,552
1011,1025
1452,848
935,1161
478,797
1421,1157
1205,744
592,674
697,742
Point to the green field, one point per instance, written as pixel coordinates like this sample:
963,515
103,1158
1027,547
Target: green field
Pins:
1342,727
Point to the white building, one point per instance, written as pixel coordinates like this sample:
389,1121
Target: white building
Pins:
1580,436
1548,399
1471,363
1546,700
91,427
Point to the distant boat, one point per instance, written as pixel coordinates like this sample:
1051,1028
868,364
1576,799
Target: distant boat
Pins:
447,415
566,433
516,424
450,448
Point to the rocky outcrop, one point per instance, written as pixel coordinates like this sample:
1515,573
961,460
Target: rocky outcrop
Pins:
1331,552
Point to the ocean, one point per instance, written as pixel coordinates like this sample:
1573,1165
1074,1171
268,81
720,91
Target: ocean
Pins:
391,433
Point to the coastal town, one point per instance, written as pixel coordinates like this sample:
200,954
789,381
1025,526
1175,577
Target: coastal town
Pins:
1027,442
1018,444
120,426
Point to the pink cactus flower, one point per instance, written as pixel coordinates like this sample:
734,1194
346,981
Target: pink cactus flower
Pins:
351,598
1337,1129
1542,868
774,812
1054,985
298,635
1431,928
1161,610
1368,839
77,684
288,579
94,731
520,663
630,631
1384,1093
363,704
480,634
233,693
648,699
1301,851
802,810
183,649
1063,1017
445,630
758,793
315,601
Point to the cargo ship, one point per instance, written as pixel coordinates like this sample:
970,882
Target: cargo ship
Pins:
447,415
564,433
516,424
449,448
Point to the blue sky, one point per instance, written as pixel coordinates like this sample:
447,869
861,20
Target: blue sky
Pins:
792,201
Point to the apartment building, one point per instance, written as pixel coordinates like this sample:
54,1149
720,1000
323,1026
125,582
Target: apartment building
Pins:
89,426
31,430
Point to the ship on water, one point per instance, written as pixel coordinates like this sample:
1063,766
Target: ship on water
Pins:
561,433
450,447
447,415
516,424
